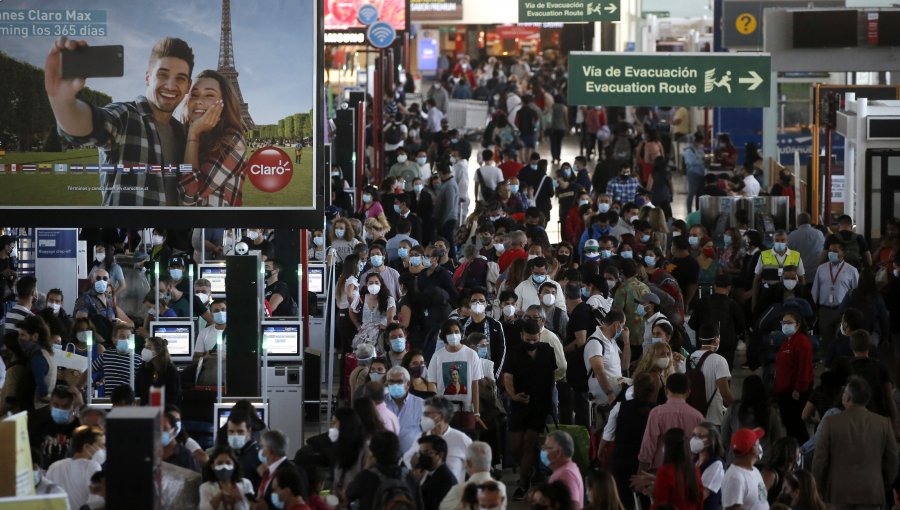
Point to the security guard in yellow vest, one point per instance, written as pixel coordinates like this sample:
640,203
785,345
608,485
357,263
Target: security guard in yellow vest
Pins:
772,262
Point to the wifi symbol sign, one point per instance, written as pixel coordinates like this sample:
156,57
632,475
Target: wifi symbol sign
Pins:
381,34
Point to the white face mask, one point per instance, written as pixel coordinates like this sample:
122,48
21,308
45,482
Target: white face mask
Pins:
401,158
374,288
100,256
146,355
55,307
790,284
509,310
454,338
99,456
333,434
548,299
157,240
662,363
697,445
478,308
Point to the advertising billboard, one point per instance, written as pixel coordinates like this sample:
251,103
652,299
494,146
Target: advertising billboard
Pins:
170,112
341,14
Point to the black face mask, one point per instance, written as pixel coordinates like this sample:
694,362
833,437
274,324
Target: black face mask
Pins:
530,346
563,259
425,463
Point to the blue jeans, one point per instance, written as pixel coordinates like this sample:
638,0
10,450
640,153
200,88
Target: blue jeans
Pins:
695,184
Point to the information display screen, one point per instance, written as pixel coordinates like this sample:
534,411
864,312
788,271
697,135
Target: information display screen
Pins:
216,277
179,337
282,339
316,280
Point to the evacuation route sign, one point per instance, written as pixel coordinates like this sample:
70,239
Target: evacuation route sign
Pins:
669,79
550,11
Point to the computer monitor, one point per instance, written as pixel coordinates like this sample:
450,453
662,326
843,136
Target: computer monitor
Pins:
180,336
215,273
221,412
315,279
283,339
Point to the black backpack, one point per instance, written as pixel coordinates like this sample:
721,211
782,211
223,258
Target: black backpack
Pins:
697,398
394,134
393,493
487,192
621,150
577,374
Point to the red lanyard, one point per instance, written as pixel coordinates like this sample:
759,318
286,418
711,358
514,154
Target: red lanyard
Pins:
835,276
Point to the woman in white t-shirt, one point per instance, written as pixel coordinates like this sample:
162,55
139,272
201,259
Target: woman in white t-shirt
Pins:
456,370
225,488
342,238
372,310
706,445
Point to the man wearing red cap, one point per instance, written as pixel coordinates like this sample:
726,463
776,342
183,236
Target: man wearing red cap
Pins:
743,487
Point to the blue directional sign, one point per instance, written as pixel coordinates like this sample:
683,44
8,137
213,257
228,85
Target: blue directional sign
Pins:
381,34
367,14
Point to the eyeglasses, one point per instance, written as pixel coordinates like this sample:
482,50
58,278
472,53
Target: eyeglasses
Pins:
478,301
102,278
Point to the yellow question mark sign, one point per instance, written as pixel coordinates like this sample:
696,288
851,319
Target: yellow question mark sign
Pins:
745,23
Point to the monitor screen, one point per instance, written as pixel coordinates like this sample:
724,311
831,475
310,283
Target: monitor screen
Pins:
316,279
833,29
221,412
282,339
216,277
888,35
179,336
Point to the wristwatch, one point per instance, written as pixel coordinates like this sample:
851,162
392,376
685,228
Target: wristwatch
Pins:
478,415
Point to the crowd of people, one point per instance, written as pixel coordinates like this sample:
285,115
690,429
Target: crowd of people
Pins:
599,367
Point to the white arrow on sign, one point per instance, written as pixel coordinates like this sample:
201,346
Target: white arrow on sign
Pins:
611,8
754,80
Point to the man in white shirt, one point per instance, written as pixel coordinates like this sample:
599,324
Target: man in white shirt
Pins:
528,291
743,487
489,173
536,313
603,359
716,374
833,281
74,474
208,336
460,168
438,413
435,116
751,185
478,466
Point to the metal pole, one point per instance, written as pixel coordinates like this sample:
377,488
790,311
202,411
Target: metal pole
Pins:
131,360
90,354
156,276
265,374
219,355
202,245
826,215
191,291
329,333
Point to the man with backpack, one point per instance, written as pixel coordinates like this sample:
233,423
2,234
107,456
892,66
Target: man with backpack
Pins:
487,178
709,376
395,132
720,306
856,251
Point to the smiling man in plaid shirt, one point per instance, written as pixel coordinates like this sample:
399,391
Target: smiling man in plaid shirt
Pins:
140,132
624,187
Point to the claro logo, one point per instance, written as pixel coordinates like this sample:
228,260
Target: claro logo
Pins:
270,169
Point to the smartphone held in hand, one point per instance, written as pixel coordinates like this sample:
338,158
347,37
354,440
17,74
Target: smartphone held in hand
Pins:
93,62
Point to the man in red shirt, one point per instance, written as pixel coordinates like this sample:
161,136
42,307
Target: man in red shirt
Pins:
516,250
510,167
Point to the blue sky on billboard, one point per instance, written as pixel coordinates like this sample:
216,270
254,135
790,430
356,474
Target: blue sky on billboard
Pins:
272,47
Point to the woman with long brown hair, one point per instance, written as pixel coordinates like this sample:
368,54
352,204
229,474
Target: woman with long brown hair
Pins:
158,371
216,144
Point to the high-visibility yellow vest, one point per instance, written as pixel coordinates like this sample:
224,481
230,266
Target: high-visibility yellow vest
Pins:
771,268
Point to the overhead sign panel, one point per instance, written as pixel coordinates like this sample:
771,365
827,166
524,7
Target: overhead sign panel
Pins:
548,11
742,20
683,79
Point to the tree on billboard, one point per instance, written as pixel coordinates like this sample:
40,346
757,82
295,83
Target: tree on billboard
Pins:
25,114
289,128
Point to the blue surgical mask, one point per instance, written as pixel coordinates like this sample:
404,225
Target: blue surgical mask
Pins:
605,254
833,257
220,317
482,351
376,260
656,340
454,140
584,202
276,500
780,247
415,260
318,240
538,278
366,198
122,346
694,241
627,254
397,208
645,238
396,390
727,239
534,166
585,293
60,416
402,252
236,442
603,207
176,273
545,458
427,262
421,161
398,344
260,456
649,260
100,286
618,334
641,310
788,329
339,233
418,187
361,265
567,172
514,188
166,438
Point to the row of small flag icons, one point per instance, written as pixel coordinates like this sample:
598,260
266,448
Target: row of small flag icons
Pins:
63,168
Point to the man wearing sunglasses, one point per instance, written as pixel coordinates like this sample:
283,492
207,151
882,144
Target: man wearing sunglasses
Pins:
99,305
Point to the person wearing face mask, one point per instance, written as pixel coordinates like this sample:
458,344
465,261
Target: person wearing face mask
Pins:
479,322
407,408
174,452
447,202
238,437
157,371
316,250
104,257
430,468
395,344
348,438
488,177
834,280
342,238
73,474
405,168
50,429
407,227
388,275
648,309
529,377
556,453
675,413
225,486
277,293
491,493
771,264
567,192
273,455
99,305
456,370
160,252
206,345
623,188
459,165
8,265
421,202
627,216
41,484
729,315
25,297
709,457
557,319
110,369
626,296
528,291
437,415
716,374
743,485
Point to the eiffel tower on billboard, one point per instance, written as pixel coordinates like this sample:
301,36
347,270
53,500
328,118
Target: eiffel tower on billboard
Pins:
226,62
